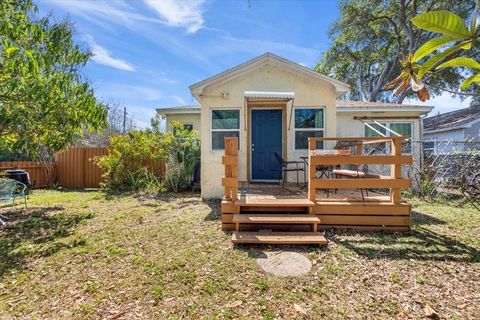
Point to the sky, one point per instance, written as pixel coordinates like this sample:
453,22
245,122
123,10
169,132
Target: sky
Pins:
146,53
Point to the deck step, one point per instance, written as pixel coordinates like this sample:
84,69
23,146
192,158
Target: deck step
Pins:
276,203
275,218
279,237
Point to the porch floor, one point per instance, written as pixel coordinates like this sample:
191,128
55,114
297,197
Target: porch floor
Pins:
264,192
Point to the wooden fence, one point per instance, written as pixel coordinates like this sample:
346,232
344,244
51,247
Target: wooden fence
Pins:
76,168
40,173
73,168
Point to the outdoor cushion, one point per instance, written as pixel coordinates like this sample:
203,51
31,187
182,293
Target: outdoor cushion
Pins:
350,173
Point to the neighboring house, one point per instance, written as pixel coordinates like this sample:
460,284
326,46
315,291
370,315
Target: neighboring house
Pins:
462,124
188,115
273,105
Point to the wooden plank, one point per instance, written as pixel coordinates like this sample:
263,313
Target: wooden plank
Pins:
396,170
315,139
229,160
276,218
367,228
364,220
358,160
229,182
279,237
229,207
363,183
276,202
227,217
362,208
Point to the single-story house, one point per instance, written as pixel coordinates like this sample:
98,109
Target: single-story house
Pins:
459,125
274,105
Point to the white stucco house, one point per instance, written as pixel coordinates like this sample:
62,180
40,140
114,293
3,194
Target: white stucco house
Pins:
273,105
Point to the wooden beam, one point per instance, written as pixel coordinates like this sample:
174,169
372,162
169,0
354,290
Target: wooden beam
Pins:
229,182
230,160
364,183
358,160
396,171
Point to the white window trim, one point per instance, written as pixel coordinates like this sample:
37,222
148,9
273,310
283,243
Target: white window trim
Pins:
307,129
217,130
390,134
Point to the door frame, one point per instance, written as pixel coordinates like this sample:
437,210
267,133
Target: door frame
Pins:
265,106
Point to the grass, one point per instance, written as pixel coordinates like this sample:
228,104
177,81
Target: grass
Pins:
81,255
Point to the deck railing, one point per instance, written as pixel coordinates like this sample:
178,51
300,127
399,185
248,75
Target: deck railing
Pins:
230,162
394,182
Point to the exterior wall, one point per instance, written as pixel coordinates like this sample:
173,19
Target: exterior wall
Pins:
457,135
308,93
347,126
193,119
473,133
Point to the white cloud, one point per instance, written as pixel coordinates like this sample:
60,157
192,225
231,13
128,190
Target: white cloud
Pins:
104,57
186,14
442,103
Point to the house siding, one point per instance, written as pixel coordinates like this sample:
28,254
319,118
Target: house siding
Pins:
473,133
457,135
193,119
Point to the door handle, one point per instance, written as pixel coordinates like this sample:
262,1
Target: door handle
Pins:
253,147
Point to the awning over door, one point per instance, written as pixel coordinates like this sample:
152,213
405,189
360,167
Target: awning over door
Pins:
264,95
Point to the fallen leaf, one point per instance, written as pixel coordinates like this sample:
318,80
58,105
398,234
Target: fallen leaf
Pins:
235,304
299,309
429,312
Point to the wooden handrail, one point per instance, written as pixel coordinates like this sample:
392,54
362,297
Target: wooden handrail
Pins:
394,182
230,161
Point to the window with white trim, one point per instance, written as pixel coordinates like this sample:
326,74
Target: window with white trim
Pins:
404,129
309,122
225,123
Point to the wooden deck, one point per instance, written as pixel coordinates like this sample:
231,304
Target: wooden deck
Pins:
252,209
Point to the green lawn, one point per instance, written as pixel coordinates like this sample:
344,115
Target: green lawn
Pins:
82,255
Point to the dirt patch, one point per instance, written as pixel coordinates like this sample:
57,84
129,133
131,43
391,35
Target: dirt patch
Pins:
284,263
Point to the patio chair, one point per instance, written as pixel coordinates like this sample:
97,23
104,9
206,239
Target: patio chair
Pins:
357,173
9,191
470,189
285,167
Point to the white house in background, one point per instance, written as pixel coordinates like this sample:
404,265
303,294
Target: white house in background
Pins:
274,105
462,124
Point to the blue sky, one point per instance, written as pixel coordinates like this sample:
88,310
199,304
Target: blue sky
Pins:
147,52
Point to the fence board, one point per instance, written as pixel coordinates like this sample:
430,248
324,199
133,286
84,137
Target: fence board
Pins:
76,168
37,170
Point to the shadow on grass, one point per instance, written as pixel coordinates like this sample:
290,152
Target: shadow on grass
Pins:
421,243
34,233
420,218
215,212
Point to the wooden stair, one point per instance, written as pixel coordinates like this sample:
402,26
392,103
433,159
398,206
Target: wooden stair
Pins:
275,202
278,237
265,218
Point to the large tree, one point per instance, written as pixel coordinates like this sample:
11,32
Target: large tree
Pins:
45,101
371,37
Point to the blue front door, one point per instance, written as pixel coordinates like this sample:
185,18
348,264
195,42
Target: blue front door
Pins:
266,140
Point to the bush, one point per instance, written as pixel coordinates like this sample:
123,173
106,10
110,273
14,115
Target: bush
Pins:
183,150
128,164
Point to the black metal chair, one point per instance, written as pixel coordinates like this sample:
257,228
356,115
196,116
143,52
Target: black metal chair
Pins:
285,169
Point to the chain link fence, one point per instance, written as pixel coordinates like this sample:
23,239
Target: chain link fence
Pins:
441,170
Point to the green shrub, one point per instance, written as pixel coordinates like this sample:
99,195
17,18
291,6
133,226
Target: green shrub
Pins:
127,165
183,150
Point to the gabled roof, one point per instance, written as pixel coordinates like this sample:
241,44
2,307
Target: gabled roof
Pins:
190,109
267,58
458,119
366,106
